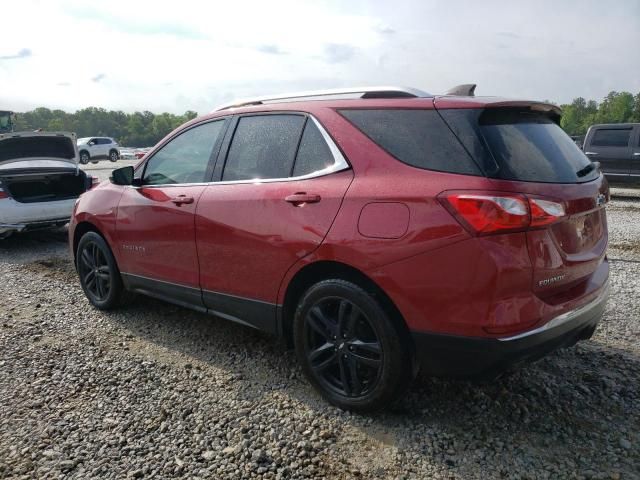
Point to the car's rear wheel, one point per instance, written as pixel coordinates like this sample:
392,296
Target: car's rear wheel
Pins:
113,156
349,347
84,157
99,275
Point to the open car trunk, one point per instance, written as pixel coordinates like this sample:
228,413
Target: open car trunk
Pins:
44,185
40,167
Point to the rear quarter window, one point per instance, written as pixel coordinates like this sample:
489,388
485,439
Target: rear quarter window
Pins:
418,138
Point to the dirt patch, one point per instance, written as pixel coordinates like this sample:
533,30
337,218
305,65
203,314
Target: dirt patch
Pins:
58,268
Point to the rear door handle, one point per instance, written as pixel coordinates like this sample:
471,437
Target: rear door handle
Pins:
637,154
301,198
182,200
591,153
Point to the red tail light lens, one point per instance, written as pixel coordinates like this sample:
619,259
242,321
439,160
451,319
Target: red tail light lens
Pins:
484,213
3,194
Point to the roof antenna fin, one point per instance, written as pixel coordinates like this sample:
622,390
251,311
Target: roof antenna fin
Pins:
465,90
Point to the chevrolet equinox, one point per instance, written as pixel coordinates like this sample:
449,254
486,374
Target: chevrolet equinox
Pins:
377,230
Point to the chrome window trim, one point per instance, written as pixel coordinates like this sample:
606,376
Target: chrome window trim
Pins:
339,164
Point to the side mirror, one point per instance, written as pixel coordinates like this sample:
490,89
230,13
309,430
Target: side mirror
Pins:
122,176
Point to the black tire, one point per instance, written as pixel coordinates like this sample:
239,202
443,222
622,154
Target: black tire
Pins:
349,347
84,157
113,156
99,275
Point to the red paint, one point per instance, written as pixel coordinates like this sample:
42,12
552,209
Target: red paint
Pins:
250,240
248,235
155,236
384,220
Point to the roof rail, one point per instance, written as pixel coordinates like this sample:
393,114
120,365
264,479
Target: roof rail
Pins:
332,94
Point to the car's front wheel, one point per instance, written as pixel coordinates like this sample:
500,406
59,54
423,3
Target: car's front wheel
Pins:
84,157
349,347
113,156
99,275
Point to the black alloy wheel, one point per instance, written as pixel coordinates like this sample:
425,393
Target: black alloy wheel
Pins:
94,271
353,348
342,347
99,275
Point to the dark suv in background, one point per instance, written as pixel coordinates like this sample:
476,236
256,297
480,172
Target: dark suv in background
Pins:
617,147
376,230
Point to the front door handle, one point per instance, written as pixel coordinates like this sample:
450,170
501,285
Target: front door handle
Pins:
300,198
591,153
182,200
637,154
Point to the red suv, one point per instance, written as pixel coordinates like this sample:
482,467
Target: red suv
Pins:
376,229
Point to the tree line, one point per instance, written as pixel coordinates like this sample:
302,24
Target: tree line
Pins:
138,129
617,107
143,129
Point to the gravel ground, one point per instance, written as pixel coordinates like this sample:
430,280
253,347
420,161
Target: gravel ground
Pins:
157,391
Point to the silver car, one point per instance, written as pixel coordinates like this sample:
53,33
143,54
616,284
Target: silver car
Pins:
39,180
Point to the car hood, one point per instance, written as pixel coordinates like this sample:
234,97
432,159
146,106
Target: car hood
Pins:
38,146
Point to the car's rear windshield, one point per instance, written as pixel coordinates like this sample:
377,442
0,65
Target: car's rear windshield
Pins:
520,144
34,147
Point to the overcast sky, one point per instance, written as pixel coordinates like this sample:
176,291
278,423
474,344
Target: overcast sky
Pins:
193,55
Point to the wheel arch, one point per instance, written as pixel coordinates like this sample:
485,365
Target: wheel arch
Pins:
80,229
325,269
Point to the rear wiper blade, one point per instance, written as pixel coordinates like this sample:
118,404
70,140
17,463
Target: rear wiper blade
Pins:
592,166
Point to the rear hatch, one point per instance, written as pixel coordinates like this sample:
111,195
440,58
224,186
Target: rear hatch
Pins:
520,146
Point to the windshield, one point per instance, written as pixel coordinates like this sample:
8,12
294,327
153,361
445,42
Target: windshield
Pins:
82,141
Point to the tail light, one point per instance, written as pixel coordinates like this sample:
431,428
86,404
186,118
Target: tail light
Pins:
94,181
485,213
3,194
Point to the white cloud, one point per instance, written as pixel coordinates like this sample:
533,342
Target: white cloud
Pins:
194,55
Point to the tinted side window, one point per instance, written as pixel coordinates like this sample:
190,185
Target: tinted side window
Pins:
185,158
313,153
417,137
263,147
613,137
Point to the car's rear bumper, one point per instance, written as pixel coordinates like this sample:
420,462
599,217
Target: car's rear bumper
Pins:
456,356
19,227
